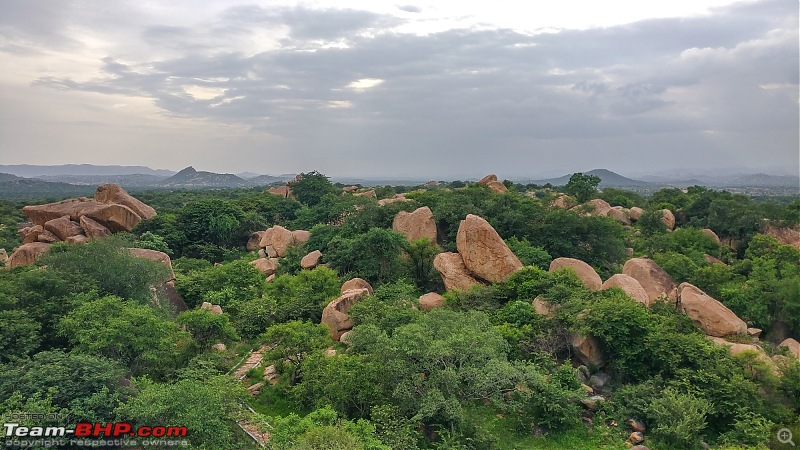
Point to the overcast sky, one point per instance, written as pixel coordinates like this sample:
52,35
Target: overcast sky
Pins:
375,88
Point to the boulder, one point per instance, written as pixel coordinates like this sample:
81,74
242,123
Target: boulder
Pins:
31,234
598,207
270,278
78,239
281,191
154,255
793,346
220,347
484,253
584,271
710,233
668,218
27,254
416,225
563,201
93,229
496,186
454,273
356,283
636,425
587,350
737,348
311,260
113,216
63,228
265,265
620,214
279,238
335,317
754,332
629,285
213,309
254,241
113,193
784,235
47,237
430,301
636,213
655,281
487,179
543,307
301,236
396,198
711,259
714,318
350,188
369,194
636,437
269,252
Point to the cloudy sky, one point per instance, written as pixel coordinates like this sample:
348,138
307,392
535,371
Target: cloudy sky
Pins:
379,88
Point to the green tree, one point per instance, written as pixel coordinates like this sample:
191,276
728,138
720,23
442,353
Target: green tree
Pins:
373,256
419,264
295,340
207,328
19,335
679,418
212,221
582,186
311,187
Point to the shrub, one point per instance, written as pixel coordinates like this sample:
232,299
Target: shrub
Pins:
679,418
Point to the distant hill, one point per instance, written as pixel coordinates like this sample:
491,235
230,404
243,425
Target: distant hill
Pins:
191,178
17,188
263,180
127,181
607,179
29,171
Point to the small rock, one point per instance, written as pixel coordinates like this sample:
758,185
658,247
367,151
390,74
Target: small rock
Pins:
754,332
219,347
430,301
311,260
599,380
793,346
636,437
636,425
356,283
593,402
583,374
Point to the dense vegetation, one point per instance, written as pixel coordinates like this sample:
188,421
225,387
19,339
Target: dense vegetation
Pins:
82,333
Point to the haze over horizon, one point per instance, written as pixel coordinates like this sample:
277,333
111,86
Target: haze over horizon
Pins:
428,89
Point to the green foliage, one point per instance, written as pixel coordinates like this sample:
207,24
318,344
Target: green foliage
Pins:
232,282
680,267
207,408
679,418
527,253
373,256
20,335
651,224
295,340
133,334
322,429
311,187
544,399
582,186
207,328
302,296
152,241
212,221
419,265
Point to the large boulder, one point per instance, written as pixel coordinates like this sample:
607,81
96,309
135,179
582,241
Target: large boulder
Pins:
430,301
335,314
93,229
63,228
113,193
587,350
784,235
496,186
620,214
113,216
484,253
655,281
454,273
279,238
254,241
267,266
668,218
27,254
396,198
792,345
563,201
710,233
311,260
597,207
737,348
416,225
356,283
636,213
369,194
281,191
584,271
487,179
629,285
714,318
154,255
301,236
31,234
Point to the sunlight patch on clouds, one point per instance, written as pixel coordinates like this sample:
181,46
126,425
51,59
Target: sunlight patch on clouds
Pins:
365,83
203,93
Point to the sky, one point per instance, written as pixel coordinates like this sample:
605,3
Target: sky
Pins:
374,88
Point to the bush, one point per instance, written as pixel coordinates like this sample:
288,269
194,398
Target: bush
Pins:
679,418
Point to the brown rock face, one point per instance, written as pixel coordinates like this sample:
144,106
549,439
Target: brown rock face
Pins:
484,253
793,346
49,238
254,240
584,271
113,193
370,194
564,201
311,260
396,198
154,255
629,285
356,283
454,273
668,218
63,228
335,314
636,213
27,254
714,318
301,236
737,348
282,191
416,225
655,281
543,307
350,188
496,186
113,216
430,301
785,235
487,179
31,234
93,229
620,214
587,350
710,233
279,238
77,239
265,266
599,207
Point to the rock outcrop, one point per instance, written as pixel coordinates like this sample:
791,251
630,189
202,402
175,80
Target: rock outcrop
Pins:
620,214
655,281
335,317
394,199
491,182
714,318
430,301
254,241
563,201
587,350
63,228
281,191
369,194
792,345
278,238
636,213
356,283
27,254
156,256
598,207
113,193
267,266
710,233
416,225
584,271
311,260
301,236
454,273
668,218
113,216
784,235
93,229
483,251
629,285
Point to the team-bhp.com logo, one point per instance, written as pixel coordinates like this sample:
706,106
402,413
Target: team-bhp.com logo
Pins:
93,430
